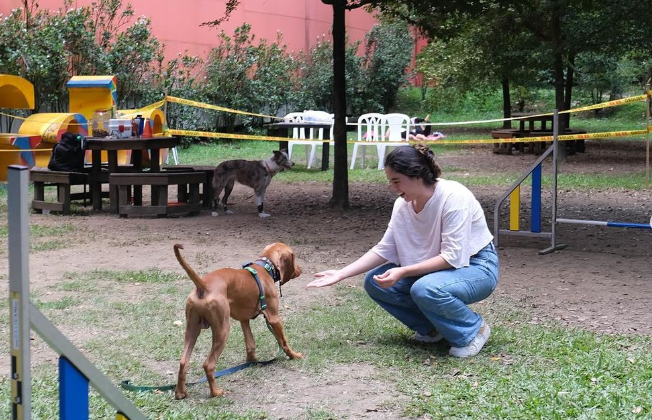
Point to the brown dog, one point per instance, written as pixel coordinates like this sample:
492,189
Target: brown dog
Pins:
234,292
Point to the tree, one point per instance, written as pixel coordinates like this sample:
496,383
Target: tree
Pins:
340,197
562,29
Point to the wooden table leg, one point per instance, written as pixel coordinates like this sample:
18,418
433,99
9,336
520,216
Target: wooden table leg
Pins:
279,132
325,152
155,165
113,190
96,182
137,161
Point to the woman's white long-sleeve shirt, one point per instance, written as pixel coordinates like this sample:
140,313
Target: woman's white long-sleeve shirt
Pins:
451,224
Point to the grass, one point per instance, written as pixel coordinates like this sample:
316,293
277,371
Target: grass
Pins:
526,371
205,153
475,107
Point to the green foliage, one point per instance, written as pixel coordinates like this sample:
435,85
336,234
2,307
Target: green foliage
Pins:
248,76
388,52
372,81
47,48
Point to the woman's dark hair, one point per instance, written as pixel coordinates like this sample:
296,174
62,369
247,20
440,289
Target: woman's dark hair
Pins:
416,161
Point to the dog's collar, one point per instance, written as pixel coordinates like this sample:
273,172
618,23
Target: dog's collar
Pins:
269,171
269,266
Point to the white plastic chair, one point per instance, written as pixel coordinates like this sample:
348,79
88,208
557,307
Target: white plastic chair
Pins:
391,128
368,131
300,134
318,133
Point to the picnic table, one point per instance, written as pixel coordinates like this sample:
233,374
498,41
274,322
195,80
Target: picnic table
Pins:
531,126
112,146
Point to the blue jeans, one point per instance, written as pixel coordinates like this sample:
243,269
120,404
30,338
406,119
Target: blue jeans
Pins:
439,300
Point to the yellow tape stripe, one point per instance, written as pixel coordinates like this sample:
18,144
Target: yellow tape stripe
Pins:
602,135
150,106
215,107
13,116
607,104
208,134
43,122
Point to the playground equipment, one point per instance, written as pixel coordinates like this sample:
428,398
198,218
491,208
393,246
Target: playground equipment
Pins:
75,370
15,93
513,193
88,96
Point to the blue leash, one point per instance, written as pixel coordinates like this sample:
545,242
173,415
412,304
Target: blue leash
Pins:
145,388
269,267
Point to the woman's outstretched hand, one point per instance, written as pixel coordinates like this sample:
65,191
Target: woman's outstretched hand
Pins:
325,278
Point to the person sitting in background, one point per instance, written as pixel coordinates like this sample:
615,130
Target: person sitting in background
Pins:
420,131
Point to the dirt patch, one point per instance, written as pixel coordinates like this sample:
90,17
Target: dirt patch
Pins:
601,282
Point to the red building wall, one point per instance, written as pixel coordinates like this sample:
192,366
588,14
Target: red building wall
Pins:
177,23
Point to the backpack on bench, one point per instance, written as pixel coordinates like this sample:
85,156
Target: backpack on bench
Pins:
68,154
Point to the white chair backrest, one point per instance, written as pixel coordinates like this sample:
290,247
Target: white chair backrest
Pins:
296,117
392,125
369,126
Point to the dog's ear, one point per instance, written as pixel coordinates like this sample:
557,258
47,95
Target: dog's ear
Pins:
288,266
283,258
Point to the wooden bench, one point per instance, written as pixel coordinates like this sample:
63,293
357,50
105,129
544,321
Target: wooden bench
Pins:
206,193
159,181
43,177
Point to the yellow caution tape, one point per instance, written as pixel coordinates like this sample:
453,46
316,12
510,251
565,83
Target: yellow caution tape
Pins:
13,116
208,134
607,104
148,107
601,135
215,107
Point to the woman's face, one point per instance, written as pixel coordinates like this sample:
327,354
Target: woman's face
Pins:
404,186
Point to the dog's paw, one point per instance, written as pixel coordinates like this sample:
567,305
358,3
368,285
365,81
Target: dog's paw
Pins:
297,356
264,215
180,395
228,212
215,214
217,393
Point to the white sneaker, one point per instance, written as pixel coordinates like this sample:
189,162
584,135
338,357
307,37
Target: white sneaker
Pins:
427,338
475,345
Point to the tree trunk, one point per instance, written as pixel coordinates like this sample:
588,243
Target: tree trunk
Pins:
507,103
340,198
570,73
558,68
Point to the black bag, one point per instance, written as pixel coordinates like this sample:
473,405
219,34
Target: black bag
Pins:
68,154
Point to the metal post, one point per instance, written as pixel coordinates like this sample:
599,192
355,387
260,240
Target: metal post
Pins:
647,143
555,156
18,224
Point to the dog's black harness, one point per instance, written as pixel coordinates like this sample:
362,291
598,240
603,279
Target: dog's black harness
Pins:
273,272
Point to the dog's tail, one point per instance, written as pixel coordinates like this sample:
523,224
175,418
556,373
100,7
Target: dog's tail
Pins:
199,284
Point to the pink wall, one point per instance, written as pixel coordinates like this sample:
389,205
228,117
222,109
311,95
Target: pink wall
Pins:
177,23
